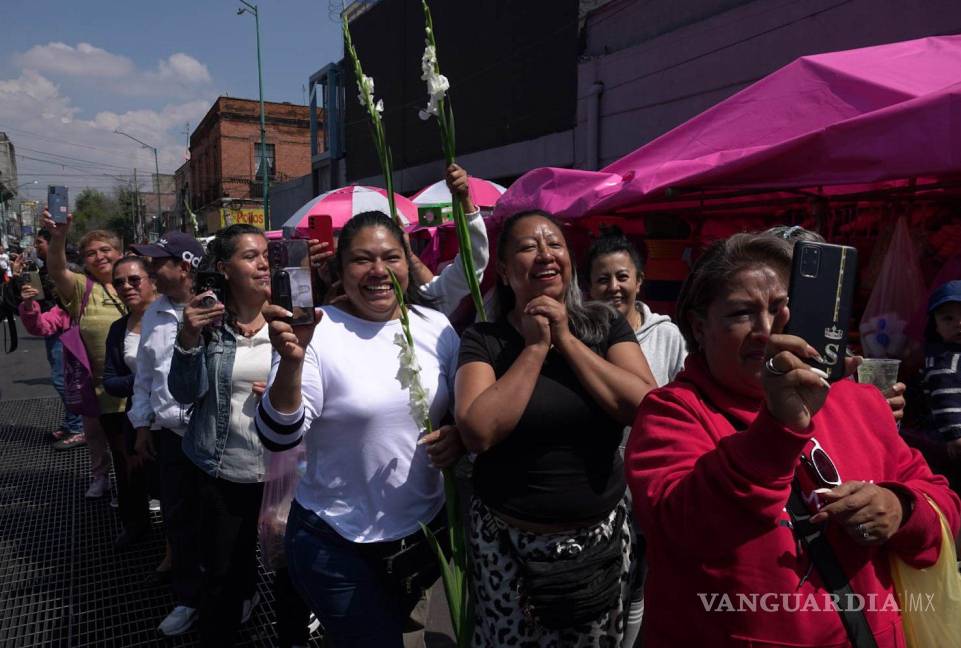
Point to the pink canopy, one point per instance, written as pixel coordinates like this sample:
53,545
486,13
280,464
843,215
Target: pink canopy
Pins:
843,118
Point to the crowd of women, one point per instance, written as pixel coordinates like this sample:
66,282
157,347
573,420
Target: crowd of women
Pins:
624,468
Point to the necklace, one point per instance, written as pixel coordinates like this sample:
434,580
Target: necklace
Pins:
249,331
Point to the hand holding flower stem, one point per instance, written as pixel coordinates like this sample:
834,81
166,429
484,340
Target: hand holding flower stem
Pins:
439,106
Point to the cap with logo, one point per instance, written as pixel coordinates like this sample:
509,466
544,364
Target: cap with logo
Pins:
949,292
173,244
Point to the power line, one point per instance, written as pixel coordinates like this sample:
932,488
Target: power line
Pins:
56,140
69,157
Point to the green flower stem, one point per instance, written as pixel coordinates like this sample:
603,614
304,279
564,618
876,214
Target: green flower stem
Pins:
377,132
453,571
445,119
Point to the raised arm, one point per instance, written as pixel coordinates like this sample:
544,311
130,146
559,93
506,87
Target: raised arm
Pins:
449,287
56,261
684,481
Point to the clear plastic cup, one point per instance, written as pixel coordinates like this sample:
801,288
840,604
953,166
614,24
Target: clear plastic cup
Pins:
880,372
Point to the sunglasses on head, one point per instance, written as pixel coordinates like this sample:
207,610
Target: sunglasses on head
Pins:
134,281
820,466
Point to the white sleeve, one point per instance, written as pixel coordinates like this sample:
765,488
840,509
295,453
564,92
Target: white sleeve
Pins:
282,430
141,414
449,287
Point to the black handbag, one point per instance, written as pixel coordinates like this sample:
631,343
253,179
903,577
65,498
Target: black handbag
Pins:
568,592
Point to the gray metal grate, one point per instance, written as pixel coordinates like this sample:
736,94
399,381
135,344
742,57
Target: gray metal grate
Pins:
61,583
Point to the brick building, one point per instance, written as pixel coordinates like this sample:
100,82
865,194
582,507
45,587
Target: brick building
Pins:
224,177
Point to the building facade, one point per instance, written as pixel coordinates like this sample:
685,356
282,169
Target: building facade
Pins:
9,224
605,77
222,182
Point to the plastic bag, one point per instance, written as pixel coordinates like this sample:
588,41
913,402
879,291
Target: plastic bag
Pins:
284,470
930,598
894,299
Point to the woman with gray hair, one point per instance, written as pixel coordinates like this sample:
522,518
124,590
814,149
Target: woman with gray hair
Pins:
542,395
756,480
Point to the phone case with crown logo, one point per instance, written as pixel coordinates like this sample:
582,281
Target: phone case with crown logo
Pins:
822,284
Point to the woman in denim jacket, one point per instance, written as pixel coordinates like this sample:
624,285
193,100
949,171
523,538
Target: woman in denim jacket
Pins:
219,367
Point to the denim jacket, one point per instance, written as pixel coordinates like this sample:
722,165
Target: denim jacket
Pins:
202,379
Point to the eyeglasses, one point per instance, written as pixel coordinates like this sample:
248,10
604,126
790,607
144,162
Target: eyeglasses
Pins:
820,465
133,280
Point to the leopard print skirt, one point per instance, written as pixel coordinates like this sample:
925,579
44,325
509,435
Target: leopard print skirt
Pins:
500,620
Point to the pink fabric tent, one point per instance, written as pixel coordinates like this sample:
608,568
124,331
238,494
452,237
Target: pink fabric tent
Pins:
853,117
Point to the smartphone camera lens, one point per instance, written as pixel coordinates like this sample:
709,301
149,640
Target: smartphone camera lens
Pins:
810,262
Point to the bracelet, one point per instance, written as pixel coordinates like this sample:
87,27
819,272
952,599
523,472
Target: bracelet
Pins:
191,351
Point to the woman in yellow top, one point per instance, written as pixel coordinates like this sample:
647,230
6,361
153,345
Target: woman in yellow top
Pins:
98,250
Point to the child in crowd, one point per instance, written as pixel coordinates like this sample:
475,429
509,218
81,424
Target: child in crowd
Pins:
941,375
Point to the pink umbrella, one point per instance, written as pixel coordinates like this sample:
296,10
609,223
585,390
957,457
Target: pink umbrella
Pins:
484,193
345,203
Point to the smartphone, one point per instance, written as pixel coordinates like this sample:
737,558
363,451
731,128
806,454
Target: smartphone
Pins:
820,295
33,279
57,203
292,279
213,282
320,227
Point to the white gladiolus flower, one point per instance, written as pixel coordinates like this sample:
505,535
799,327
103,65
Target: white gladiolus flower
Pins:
379,106
366,94
437,84
408,374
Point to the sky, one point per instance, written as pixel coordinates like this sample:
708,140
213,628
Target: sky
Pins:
73,72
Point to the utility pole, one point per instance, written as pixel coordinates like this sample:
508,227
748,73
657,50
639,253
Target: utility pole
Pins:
138,223
252,9
156,175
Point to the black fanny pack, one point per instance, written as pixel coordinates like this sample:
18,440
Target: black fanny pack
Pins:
409,564
568,592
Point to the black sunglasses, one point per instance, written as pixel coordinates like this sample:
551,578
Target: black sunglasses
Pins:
134,282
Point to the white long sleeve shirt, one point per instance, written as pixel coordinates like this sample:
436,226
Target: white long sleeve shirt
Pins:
152,405
366,476
449,286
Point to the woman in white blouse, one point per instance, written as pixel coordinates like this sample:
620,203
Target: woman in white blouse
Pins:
136,289
372,475
219,366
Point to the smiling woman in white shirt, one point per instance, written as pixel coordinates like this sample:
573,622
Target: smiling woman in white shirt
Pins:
371,478
220,366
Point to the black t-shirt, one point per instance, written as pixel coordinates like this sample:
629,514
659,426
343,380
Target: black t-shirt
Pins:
561,462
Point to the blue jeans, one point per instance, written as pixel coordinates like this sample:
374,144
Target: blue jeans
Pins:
72,423
342,585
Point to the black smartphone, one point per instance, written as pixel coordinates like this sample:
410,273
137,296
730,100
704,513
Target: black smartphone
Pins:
292,278
819,296
211,281
57,203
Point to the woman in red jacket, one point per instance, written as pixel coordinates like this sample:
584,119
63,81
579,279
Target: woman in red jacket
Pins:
713,456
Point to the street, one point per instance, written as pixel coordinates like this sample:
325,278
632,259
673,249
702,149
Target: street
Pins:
61,583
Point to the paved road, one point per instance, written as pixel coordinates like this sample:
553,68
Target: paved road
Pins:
25,372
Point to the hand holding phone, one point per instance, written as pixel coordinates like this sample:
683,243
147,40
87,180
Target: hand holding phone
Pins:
820,295
57,203
212,282
291,279
34,281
